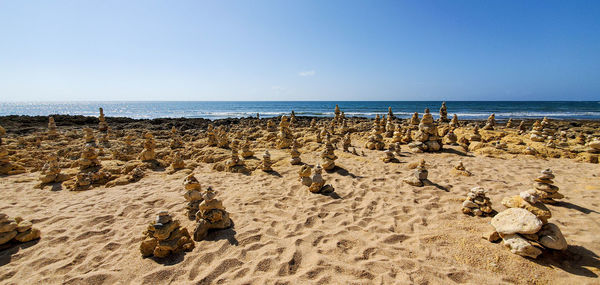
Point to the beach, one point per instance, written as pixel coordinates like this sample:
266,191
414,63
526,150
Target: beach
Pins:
373,228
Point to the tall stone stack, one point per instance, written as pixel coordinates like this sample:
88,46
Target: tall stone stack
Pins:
165,237
490,123
454,122
176,141
389,127
295,154
211,215
414,121
90,171
398,134
246,151
548,129
304,175
346,142
444,114
102,125
328,156
390,114
375,139
193,195
266,163
285,135
211,137
337,113
545,188
52,133
148,153
427,137
509,123
16,229
50,171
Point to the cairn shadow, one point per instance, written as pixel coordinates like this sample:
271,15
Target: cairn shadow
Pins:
574,207
170,260
457,152
274,173
574,260
56,187
428,182
225,234
343,172
333,195
11,248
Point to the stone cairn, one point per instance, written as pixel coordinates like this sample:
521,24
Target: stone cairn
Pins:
547,129
90,172
313,125
50,172
375,140
545,188
52,133
414,121
477,203
476,136
337,113
102,125
536,133
295,154
88,137
328,156
427,138
222,138
284,136
293,119
318,183
389,127
16,229
454,122
390,114
521,127
266,163
344,128
271,126
177,161
407,138
389,155
211,137
509,123
7,167
246,151
176,141
444,114
460,170
193,195
451,137
346,143
420,175
148,153
211,215
165,237
523,230
398,134
490,123
304,175
234,162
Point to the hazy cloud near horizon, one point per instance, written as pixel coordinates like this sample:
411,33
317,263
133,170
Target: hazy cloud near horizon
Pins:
240,50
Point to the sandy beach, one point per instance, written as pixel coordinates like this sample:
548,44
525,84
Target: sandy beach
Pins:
373,229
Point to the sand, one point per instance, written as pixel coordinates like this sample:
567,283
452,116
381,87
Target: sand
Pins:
373,230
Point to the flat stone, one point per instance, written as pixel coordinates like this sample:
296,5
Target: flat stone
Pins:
7,236
28,235
469,204
24,226
538,209
516,220
163,232
8,226
550,236
545,187
519,245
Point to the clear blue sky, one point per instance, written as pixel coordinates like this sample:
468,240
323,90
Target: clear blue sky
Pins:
299,50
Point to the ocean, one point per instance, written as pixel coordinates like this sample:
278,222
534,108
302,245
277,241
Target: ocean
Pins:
237,109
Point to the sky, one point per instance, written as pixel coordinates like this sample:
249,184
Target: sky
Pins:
299,50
